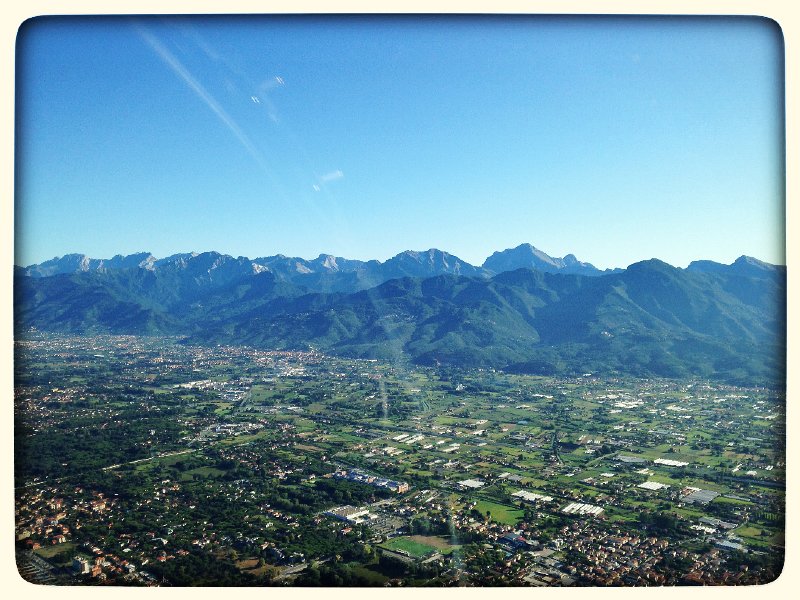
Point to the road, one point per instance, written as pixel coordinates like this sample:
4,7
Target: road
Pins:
141,460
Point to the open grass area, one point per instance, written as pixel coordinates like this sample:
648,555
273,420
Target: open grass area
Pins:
410,546
690,513
724,500
204,472
308,448
748,531
617,515
251,566
243,439
441,543
51,551
533,482
261,393
761,537
500,513
164,461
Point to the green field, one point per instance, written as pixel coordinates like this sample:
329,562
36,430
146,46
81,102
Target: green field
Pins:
51,551
202,472
500,513
409,546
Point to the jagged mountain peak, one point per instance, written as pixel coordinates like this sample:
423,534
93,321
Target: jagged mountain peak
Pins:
527,256
752,263
331,263
425,263
75,263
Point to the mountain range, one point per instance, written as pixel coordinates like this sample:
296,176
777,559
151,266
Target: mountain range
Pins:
522,310
312,273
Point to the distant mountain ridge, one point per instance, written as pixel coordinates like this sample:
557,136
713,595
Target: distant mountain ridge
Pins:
333,273
326,272
407,263
709,320
75,263
745,266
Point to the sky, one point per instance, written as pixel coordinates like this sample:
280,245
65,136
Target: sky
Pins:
614,139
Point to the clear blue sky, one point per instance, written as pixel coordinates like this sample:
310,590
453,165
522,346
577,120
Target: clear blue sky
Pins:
614,139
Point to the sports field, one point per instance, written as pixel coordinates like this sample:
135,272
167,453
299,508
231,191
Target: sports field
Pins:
419,546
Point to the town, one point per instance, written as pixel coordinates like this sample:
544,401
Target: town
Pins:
145,461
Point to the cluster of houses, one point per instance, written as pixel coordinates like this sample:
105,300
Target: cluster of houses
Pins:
101,566
618,558
40,517
39,522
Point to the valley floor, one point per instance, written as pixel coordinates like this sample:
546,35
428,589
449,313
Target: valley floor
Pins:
141,461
